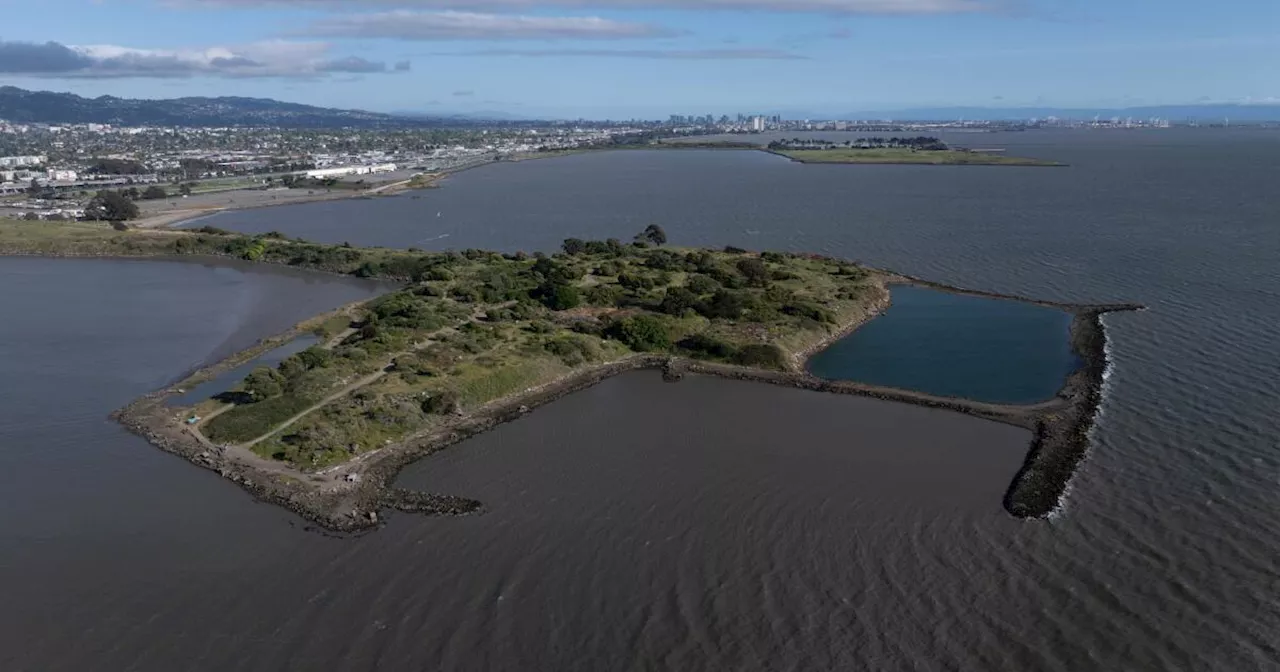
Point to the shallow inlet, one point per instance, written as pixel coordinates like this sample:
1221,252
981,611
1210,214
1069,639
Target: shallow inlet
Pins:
232,377
957,345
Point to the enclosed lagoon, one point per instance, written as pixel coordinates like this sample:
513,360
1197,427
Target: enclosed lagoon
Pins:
957,345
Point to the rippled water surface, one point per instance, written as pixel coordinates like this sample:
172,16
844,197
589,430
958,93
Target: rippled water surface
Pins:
956,345
704,525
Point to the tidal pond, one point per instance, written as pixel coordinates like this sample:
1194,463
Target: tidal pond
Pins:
957,345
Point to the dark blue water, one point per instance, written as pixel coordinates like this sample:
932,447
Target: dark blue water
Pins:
956,345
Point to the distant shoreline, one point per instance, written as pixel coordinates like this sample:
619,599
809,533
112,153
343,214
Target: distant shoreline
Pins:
167,219
951,157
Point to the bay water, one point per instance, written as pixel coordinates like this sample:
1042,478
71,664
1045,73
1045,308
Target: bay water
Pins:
707,524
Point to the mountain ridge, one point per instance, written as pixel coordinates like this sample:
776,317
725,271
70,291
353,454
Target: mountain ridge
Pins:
23,106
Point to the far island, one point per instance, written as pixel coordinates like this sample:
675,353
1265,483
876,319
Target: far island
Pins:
909,150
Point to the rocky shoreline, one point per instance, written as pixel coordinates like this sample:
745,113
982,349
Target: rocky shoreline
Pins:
350,498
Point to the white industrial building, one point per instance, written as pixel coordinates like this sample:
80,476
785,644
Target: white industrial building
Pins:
343,171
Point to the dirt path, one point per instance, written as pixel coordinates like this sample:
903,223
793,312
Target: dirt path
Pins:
367,380
342,336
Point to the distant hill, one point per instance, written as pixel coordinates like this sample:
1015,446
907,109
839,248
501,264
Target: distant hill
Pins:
20,105
1177,113
482,115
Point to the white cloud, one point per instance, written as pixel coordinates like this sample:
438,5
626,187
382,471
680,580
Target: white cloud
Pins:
805,6
451,25
661,54
260,59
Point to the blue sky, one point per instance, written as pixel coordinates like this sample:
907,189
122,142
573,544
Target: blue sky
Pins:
650,58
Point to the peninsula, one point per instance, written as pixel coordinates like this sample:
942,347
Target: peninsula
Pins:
477,338
921,150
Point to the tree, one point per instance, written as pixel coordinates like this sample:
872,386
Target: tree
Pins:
652,234
185,190
111,206
263,383
31,216
573,246
34,189
155,192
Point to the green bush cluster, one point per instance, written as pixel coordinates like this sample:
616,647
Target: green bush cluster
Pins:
642,333
573,349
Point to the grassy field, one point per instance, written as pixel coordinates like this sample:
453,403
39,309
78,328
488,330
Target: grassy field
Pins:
100,239
951,157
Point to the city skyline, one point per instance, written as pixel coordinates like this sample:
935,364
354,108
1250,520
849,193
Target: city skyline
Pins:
649,58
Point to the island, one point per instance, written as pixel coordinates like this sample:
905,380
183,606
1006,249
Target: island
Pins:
476,338
921,150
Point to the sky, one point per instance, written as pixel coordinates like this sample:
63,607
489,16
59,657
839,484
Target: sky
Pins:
650,58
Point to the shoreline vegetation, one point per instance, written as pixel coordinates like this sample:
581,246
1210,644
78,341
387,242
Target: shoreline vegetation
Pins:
476,339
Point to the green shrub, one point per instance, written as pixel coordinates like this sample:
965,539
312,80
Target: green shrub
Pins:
572,350
608,268
557,296
677,300
603,295
635,282
703,346
762,356
726,305
701,284
755,271
773,257
642,333
443,402
263,383
810,311
665,260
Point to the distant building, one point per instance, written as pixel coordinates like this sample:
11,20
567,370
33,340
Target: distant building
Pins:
757,123
20,161
343,171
